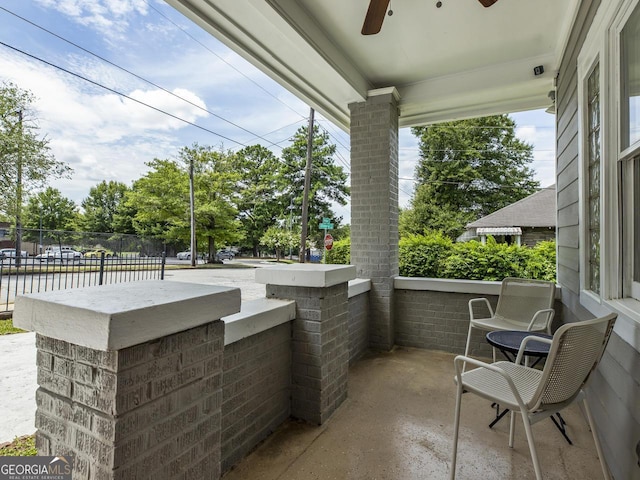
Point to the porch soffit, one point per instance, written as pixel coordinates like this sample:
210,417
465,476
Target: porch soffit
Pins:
457,61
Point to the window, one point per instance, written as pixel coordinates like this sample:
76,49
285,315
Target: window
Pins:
593,179
630,156
630,76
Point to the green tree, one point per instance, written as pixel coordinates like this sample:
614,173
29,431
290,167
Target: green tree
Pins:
260,203
328,180
161,199
101,206
22,152
49,211
468,169
280,240
215,185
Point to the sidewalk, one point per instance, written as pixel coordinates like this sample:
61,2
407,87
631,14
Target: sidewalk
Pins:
17,385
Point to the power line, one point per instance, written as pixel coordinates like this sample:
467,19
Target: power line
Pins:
137,76
223,60
418,149
121,94
461,184
337,153
335,137
439,125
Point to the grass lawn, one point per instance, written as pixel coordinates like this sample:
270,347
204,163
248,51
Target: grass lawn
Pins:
6,327
20,447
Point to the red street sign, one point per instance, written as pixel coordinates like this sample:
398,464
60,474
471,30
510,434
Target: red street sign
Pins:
328,241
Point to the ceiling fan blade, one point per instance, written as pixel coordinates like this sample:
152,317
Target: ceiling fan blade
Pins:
375,16
487,3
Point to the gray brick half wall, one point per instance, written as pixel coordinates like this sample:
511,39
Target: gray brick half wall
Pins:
358,326
440,321
256,390
147,411
320,349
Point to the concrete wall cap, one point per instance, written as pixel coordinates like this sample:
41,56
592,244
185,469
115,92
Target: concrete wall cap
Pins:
111,317
256,316
481,287
359,286
306,275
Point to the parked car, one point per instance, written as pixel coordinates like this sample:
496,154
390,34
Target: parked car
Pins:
59,254
11,253
184,255
67,255
225,254
97,253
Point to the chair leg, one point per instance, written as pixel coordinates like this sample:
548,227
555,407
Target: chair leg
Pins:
532,446
592,426
512,428
456,429
466,348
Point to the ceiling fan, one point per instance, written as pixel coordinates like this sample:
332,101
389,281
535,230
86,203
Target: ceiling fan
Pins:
378,9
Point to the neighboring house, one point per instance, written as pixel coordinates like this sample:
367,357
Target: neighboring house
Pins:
525,222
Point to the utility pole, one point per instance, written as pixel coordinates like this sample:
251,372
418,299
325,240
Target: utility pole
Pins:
19,197
307,187
192,202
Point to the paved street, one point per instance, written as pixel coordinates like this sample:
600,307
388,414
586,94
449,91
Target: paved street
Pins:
18,354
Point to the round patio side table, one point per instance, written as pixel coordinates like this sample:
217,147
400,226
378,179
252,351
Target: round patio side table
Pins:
508,342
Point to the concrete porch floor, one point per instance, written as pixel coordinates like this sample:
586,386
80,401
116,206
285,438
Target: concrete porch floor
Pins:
397,423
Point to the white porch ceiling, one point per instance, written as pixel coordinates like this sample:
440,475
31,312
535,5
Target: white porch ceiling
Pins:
458,61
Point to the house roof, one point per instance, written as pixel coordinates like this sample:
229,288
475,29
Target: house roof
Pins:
456,60
536,210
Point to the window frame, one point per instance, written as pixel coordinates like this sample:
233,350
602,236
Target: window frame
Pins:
603,42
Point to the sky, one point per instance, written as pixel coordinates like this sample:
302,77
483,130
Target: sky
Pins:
145,49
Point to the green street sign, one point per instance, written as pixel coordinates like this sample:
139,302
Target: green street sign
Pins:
325,226
326,220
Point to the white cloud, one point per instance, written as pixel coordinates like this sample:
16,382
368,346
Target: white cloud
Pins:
101,135
109,17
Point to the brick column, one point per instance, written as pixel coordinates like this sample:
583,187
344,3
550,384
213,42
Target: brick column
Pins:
130,377
374,205
320,346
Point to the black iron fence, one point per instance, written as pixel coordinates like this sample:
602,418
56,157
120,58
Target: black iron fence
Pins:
58,270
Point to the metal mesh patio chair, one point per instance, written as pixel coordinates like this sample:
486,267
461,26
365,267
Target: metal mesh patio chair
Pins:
523,304
575,351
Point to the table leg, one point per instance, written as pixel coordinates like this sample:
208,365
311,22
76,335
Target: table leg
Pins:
498,414
560,425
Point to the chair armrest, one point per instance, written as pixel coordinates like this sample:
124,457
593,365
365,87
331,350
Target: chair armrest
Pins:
528,339
460,362
549,312
479,300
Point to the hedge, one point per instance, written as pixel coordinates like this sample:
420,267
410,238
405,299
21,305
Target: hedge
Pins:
435,256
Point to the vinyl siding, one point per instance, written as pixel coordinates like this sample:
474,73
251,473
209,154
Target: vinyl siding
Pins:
615,387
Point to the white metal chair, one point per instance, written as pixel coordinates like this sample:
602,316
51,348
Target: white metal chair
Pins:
575,351
523,304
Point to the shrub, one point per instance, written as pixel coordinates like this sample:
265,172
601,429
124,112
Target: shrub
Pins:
492,261
434,255
340,254
423,255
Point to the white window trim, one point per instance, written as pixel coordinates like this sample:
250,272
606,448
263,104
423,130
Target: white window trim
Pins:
602,45
592,53
623,155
